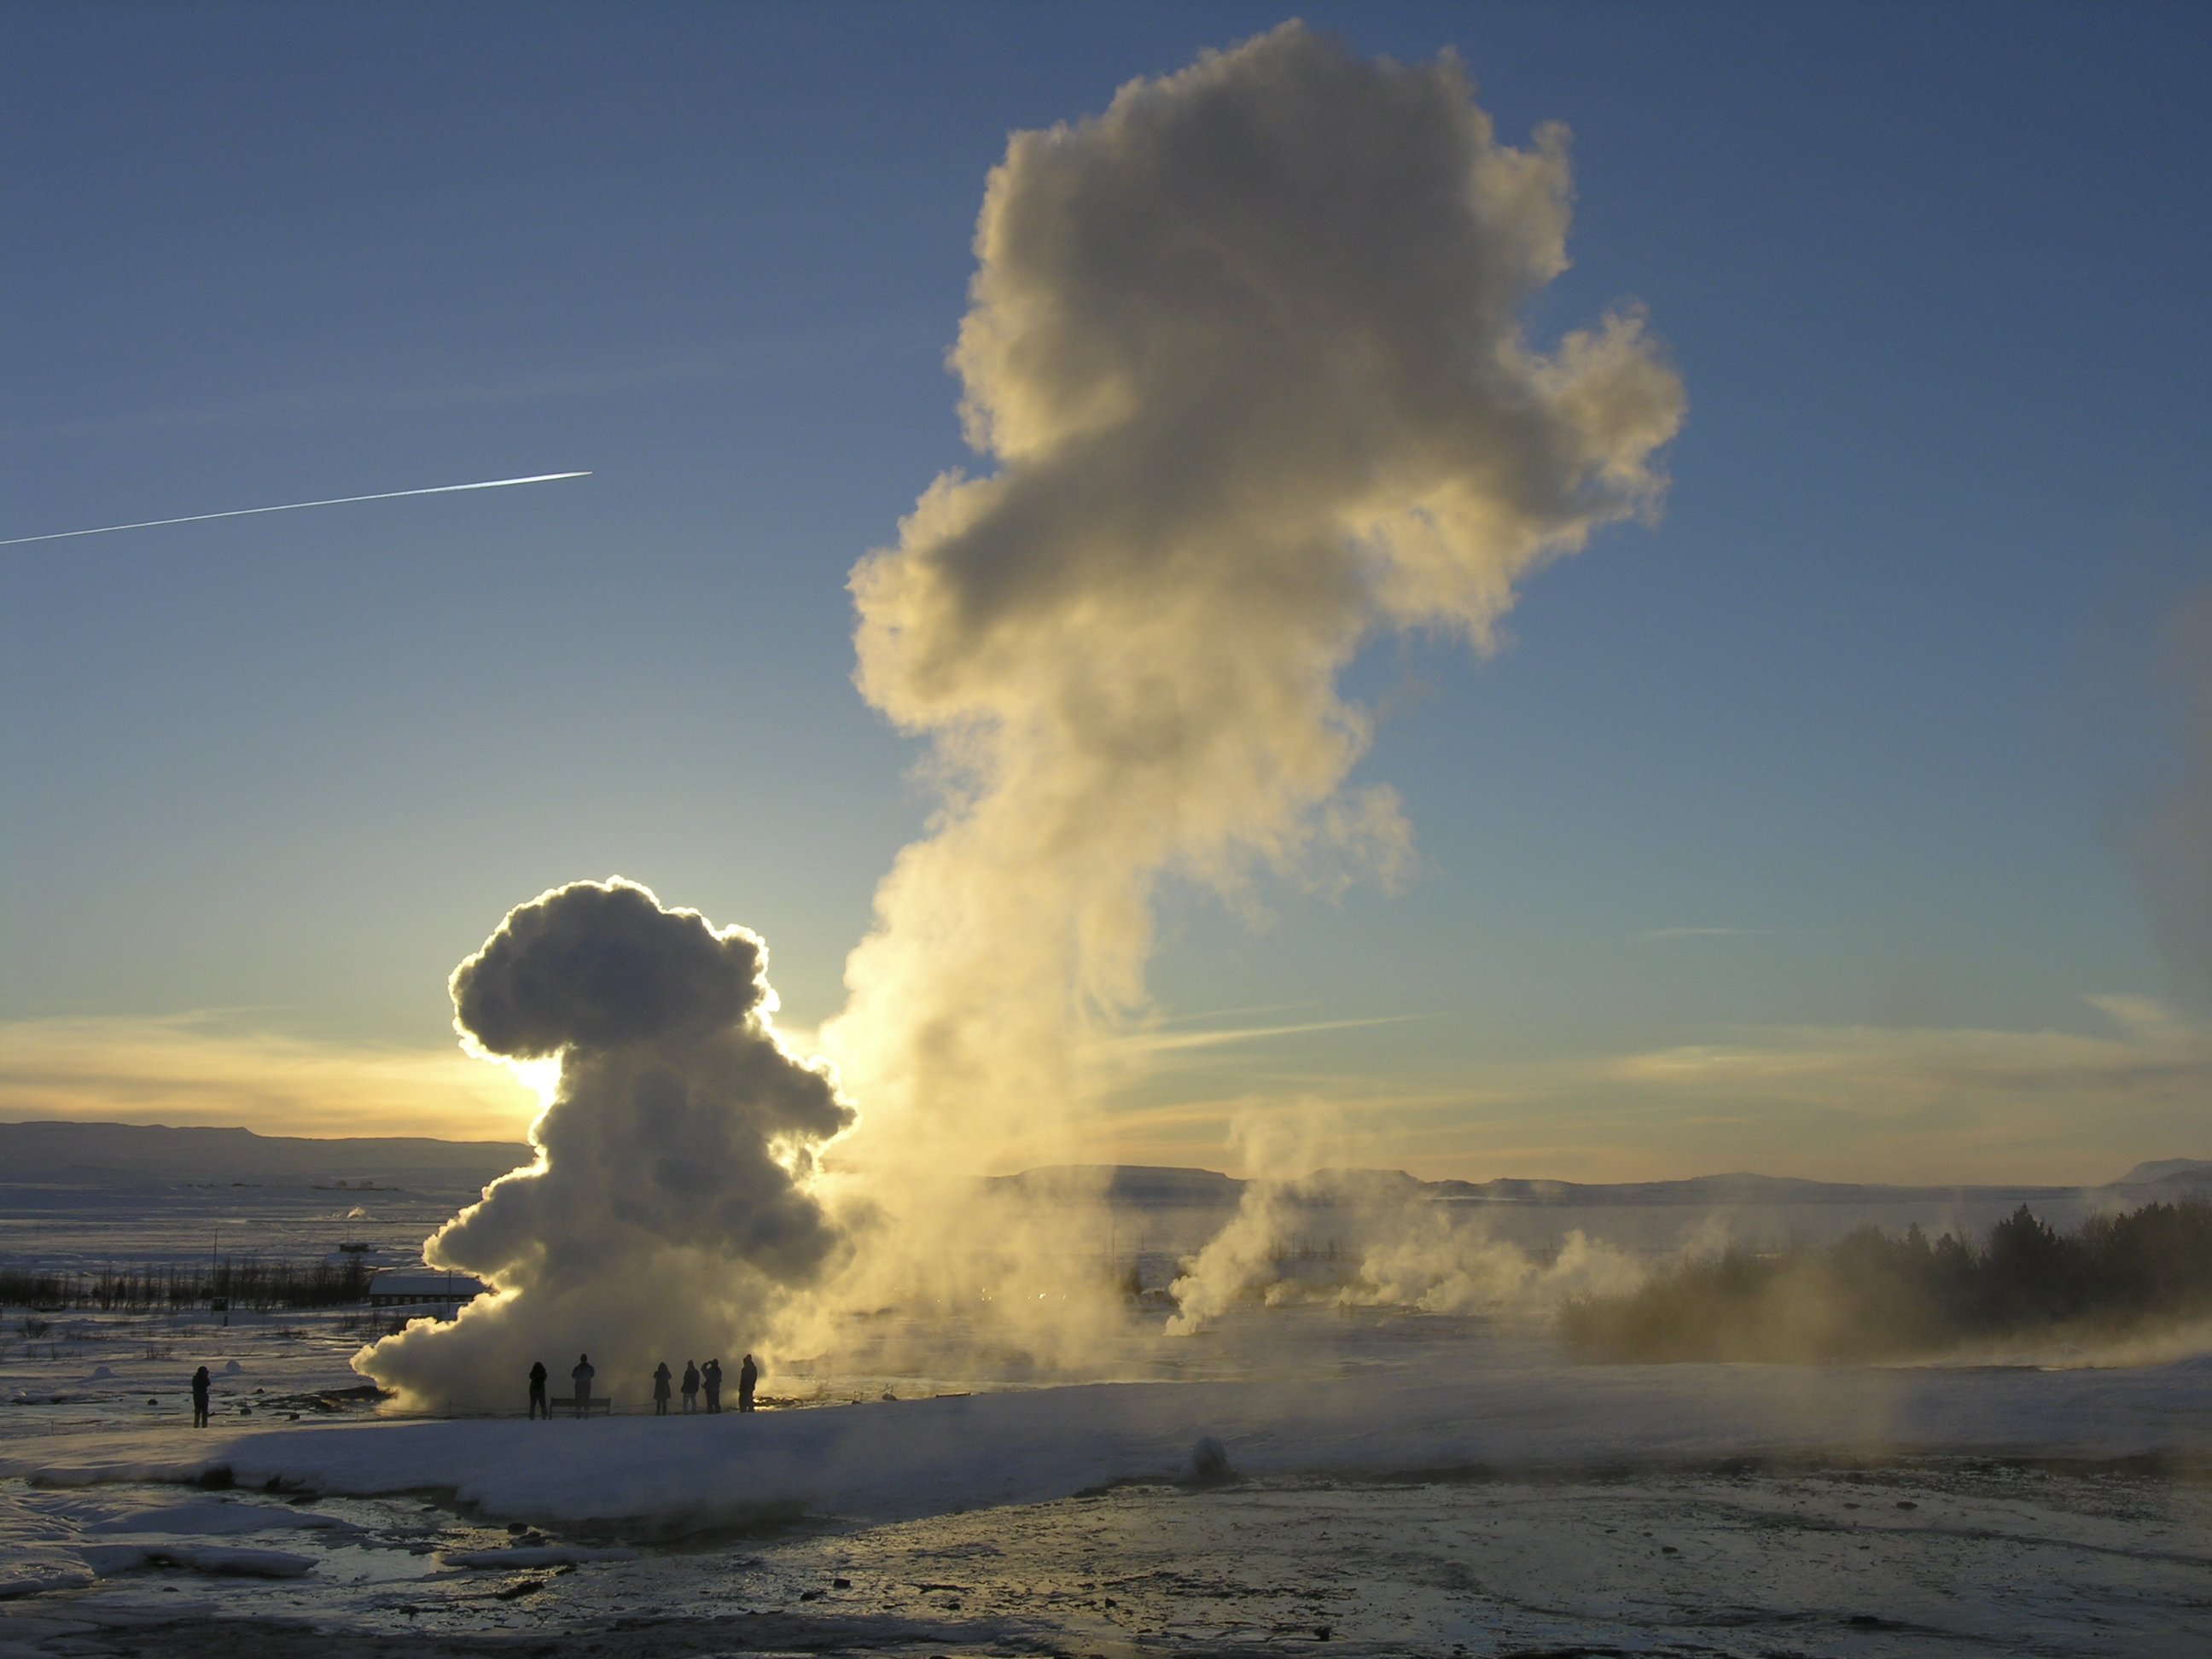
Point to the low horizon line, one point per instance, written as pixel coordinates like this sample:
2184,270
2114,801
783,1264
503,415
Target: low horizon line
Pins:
1552,1180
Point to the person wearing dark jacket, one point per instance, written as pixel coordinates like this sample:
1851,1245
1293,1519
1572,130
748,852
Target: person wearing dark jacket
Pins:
582,1377
748,1375
710,1378
690,1387
660,1376
537,1406
201,1384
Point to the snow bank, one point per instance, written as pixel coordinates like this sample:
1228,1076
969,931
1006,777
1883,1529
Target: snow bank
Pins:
1513,1408
34,1572
37,1552
210,1518
93,1474
62,1539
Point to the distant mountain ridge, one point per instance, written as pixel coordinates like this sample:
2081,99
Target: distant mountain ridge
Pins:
1202,1188
2168,1172
140,1153
134,1154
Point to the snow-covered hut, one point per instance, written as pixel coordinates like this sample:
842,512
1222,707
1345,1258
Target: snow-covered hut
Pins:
428,1288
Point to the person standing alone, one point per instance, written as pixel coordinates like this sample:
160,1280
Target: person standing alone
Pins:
748,1375
582,1377
660,1374
201,1384
537,1406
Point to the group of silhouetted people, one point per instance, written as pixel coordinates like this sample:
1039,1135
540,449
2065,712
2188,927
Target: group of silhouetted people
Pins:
696,1379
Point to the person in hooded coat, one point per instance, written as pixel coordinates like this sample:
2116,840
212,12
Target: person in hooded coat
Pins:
201,1384
748,1375
537,1406
660,1376
690,1387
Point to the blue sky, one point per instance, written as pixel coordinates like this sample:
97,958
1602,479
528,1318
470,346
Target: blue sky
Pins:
1789,833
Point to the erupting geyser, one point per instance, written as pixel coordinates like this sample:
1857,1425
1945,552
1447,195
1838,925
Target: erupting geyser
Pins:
1247,353
669,1213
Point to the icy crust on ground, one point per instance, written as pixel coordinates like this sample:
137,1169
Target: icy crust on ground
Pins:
1520,1410
204,1519
229,1561
31,1565
1938,1555
545,1555
67,1539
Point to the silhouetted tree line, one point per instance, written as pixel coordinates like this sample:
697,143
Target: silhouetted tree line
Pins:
174,1287
1870,1296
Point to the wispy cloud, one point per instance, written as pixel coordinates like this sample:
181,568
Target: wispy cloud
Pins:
1913,1105
208,1069
1941,1104
1163,1042
1880,1069
1932,1105
1652,933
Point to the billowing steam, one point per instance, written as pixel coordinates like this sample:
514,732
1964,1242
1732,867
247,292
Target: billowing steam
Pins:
2171,850
1398,1249
1246,353
669,1214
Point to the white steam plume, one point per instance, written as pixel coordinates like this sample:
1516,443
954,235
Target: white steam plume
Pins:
2172,849
1389,1243
1390,1248
670,1214
1245,350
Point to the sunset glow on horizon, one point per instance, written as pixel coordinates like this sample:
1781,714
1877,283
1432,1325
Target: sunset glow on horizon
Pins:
1651,617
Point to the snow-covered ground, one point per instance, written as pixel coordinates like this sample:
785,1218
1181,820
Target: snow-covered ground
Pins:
59,1226
1934,1557
1407,1483
1458,1400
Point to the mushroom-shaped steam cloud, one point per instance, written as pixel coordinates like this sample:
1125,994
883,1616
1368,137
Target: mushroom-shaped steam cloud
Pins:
669,1209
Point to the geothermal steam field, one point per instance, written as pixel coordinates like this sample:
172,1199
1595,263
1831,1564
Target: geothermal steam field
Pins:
1365,1431
1251,365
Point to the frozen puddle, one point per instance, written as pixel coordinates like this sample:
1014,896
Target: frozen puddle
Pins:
1932,1557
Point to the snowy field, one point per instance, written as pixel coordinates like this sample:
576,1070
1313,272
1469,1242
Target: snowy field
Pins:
1914,1558
61,1226
1405,1483
1395,1482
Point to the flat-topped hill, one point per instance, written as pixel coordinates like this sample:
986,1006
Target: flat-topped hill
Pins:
79,1154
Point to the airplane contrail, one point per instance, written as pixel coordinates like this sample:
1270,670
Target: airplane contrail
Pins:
291,507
